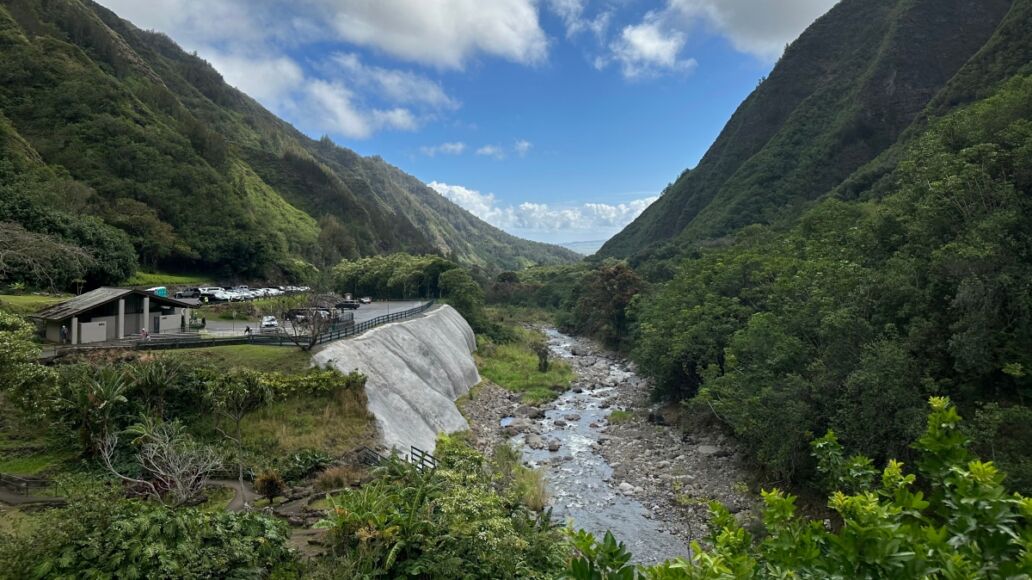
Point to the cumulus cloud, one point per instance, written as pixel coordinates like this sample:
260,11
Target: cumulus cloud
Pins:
456,148
759,27
650,48
522,147
572,14
442,33
332,105
494,151
583,220
392,84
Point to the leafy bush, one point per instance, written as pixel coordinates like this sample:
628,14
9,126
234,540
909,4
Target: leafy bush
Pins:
958,521
269,484
99,535
298,466
452,522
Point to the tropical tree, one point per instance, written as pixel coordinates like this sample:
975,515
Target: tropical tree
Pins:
232,396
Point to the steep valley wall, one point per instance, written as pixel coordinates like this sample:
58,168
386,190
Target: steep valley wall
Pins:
416,370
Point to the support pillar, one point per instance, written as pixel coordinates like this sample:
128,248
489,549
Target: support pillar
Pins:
146,314
121,318
75,330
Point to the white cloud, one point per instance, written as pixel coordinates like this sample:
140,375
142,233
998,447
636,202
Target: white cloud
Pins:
442,33
456,148
649,49
330,106
543,220
759,27
268,79
491,151
522,147
391,84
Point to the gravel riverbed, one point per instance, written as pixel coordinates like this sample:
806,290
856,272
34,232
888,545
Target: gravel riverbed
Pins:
647,482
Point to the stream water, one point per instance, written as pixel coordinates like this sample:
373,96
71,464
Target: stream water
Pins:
579,479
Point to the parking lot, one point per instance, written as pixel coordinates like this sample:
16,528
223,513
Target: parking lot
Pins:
365,312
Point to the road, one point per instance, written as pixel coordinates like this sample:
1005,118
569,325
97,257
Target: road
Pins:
365,312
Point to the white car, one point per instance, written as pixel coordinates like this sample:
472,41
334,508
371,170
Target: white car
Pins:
270,322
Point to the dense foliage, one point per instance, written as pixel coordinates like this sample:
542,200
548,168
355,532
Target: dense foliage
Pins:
396,276
956,521
160,161
466,519
852,317
834,113
100,535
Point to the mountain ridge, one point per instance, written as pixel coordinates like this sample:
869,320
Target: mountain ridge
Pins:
198,174
841,95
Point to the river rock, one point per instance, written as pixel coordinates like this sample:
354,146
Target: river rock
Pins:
554,446
534,441
559,423
626,488
573,417
707,450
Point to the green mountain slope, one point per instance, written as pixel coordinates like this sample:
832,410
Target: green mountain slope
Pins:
101,119
842,94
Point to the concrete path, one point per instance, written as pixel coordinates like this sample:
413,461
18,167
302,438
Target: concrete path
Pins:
239,502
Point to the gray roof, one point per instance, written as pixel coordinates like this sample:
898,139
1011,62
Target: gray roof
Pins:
95,298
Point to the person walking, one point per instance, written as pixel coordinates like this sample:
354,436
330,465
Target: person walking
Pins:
247,332
144,334
64,334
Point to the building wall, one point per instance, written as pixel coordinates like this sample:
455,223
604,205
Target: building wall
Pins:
92,332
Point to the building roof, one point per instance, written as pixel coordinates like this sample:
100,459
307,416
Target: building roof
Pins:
96,298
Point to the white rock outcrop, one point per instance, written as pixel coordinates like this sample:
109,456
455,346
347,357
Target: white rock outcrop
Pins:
416,370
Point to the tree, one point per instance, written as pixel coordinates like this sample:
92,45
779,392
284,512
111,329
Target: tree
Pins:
94,402
39,259
176,466
302,319
462,292
602,301
232,396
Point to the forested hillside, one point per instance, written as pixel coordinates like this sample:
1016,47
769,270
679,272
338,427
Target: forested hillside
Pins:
116,141
842,94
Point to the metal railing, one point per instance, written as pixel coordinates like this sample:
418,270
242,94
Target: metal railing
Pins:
359,328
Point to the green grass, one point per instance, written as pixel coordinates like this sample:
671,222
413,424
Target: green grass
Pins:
29,303
165,279
36,463
252,356
620,416
514,366
333,425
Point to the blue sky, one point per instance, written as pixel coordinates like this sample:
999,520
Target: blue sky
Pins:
556,120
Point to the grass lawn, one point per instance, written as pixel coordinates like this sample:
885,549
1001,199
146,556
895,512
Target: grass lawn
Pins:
259,357
334,425
29,303
35,463
163,279
514,366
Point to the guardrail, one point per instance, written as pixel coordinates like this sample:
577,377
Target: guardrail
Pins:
22,485
192,340
359,328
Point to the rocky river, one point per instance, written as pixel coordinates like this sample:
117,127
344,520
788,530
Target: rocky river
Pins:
647,482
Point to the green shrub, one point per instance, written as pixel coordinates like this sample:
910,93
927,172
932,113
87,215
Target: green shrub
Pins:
269,484
453,522
957,521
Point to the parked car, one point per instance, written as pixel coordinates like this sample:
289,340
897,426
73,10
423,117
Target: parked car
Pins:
189,293
348,304
365,300
270,322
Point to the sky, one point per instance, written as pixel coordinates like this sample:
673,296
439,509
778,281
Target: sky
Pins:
555,120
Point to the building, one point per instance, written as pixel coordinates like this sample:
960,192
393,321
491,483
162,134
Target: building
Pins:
111,314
